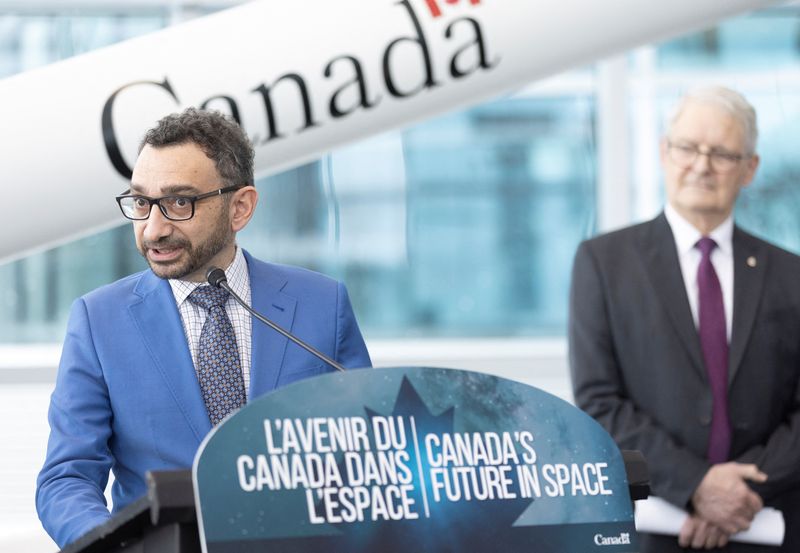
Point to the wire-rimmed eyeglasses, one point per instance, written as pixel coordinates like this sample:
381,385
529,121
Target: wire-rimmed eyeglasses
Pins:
684,154
174,207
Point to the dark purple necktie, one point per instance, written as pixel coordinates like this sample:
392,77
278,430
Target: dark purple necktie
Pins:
714,342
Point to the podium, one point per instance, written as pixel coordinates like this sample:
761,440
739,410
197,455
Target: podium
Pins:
379,460
164,521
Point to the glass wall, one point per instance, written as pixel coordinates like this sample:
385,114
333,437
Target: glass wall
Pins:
464,225
445,229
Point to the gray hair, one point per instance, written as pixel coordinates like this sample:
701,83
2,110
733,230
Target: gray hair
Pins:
730,101
220,137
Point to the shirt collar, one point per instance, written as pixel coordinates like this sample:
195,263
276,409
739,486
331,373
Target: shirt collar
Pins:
236,273
686,235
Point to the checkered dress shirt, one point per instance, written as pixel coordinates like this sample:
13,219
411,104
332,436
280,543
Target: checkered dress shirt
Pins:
194,317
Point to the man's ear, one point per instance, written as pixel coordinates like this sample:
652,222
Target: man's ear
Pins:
243,206
752,166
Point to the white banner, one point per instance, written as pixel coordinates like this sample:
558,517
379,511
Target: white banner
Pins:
301,76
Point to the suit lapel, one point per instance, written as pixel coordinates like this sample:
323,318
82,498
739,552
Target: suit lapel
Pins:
268,347
663,267
749,268
159,323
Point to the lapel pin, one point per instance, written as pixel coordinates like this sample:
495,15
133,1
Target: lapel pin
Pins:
751,261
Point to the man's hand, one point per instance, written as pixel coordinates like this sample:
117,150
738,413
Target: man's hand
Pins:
698,533
724,499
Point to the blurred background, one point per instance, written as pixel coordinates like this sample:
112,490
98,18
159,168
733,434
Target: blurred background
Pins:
455,237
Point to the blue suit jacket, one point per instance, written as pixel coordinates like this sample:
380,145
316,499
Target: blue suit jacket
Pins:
127,396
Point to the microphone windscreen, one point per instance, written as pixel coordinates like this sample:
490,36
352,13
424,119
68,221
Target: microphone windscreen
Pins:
215,276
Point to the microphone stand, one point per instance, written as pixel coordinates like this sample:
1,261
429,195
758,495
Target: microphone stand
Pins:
216,277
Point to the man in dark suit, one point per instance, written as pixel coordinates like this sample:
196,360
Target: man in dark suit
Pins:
684,337
152,362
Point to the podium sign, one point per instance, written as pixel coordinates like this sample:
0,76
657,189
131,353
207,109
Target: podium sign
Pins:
411,459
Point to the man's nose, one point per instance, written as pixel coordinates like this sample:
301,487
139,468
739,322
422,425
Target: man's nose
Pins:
702,163
156,226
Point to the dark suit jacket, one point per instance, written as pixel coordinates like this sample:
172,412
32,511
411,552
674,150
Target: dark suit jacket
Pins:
637,365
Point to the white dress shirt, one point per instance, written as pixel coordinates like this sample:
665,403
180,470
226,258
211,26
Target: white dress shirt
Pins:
686,237
194,316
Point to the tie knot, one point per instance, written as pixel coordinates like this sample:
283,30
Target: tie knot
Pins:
706,245
209,296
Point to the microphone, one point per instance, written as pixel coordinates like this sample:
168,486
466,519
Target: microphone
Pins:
216,278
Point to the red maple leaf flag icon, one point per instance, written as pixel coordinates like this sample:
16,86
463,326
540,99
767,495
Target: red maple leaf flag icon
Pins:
433,5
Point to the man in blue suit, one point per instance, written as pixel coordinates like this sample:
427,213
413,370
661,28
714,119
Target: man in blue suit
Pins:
149,366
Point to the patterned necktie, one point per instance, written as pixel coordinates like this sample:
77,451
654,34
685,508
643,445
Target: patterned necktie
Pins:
714,342
219,368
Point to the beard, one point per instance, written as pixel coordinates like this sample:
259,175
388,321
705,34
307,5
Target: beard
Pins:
194,256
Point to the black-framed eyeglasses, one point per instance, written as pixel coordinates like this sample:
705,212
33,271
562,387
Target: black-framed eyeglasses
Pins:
174,208
684,154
